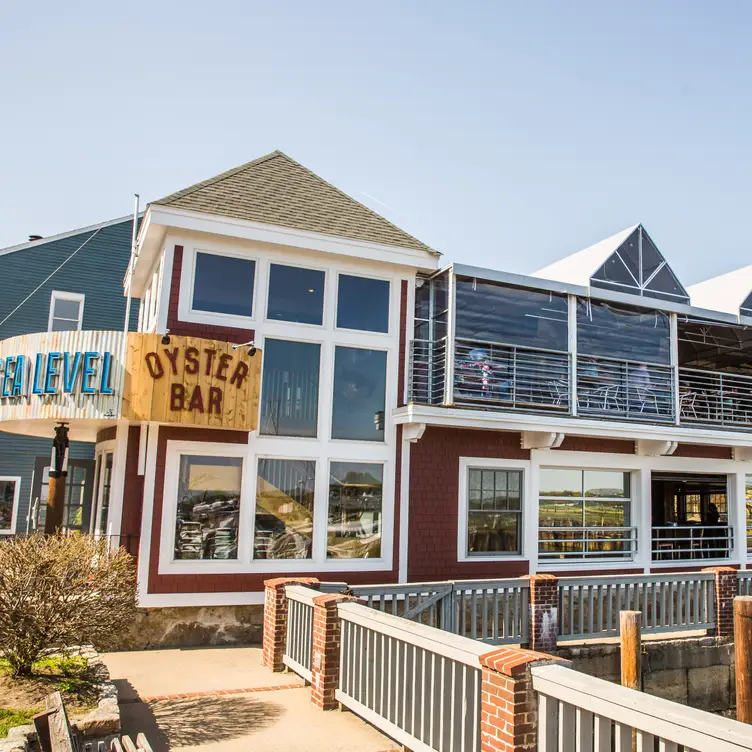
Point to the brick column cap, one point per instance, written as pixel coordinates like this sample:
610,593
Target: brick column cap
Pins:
277,583
332,599
720,570
540,577
515,661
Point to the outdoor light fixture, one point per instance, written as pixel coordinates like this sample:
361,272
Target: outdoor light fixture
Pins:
166,338
250,345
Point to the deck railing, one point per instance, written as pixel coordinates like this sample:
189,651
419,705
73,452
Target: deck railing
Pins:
589,606
625,389
558,542
581,713
298,649
744,578
512,377
692,542
715,398
419,685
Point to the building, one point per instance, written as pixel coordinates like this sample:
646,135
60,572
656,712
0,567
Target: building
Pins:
71,281
311,392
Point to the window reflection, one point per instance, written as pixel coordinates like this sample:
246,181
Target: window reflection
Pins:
290,388
208,507
494,511
295,294
359,394
223,284
355,504
7,496
362,304
284,509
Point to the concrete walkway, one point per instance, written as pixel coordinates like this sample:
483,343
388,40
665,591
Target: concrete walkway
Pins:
223,699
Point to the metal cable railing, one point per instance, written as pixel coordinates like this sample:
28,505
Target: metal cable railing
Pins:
427,371
712,397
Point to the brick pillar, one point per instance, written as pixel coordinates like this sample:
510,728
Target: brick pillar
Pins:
275,618
325,650
508,712
726,589
544,611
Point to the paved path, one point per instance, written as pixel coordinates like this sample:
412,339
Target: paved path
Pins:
223,699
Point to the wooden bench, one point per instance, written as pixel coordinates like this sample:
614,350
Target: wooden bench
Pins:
56,735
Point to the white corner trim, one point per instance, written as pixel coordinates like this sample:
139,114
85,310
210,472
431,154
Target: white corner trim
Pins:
413,431
404,524
117,486
650,448
143,440
541,440
16,480
147,515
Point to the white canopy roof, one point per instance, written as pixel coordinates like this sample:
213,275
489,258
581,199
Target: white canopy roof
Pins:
727,292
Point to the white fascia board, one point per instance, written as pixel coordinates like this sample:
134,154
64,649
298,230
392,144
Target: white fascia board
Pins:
519,280
724,293
148,246
168,216
63,235
508,421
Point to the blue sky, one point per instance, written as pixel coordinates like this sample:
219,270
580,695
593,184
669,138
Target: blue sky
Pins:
503,134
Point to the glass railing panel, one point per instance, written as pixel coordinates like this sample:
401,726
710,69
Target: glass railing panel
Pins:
510,376
715,398
625,389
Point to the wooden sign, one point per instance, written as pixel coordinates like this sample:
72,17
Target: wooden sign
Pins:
191,381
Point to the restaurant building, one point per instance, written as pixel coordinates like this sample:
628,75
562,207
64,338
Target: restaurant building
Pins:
311,392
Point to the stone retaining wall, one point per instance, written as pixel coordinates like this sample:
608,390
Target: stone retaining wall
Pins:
698,672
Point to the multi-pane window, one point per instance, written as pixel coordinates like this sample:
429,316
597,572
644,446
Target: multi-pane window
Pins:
208,507
284,509
8,495
355,508
66,311
290,388
494,516
584,514
362,303
223,284
359,394
295,294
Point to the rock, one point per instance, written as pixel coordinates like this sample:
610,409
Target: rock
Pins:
97,723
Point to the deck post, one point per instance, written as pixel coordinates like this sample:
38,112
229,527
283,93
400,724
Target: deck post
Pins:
725,588
275,619
743,655
630,623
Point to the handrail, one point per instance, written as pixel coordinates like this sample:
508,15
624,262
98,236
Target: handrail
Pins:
528,348
452,646
607,579
301,594
669,721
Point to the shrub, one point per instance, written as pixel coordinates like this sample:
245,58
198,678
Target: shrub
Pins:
62,590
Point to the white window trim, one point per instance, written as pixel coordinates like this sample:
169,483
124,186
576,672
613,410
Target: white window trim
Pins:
296,265
390,289
100,452
312,451
466,463
61,295
16,496
187,312
641,468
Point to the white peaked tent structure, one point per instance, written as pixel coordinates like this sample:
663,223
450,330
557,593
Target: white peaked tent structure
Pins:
730,293
628,262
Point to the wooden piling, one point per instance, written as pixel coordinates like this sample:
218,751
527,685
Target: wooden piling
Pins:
55,504
630,623
743,651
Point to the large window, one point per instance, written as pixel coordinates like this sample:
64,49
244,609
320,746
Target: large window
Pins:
223,284
355,507
494,511
66,311
489,312
208,507
584,514
284,509
290,388
9,492
359,394
362,304
295,294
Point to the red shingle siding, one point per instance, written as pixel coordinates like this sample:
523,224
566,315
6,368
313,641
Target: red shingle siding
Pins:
133,494
703,451
186,329
596,444
434,499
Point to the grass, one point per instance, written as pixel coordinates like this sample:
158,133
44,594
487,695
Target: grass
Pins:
11,718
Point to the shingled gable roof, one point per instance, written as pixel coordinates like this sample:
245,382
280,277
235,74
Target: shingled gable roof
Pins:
277,190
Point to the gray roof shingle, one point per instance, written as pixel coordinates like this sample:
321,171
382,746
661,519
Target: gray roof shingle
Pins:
277,190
